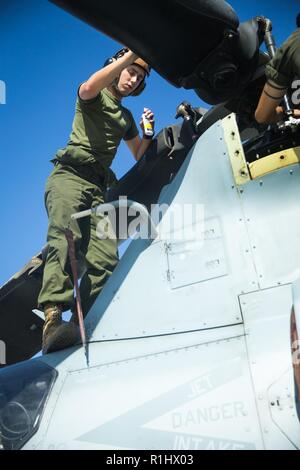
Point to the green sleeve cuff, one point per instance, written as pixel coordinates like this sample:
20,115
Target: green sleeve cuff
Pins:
92,100
131,136
277,77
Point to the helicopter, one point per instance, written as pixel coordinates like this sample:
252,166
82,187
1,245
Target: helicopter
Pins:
205,353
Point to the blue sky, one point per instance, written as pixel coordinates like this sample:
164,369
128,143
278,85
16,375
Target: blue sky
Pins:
45,54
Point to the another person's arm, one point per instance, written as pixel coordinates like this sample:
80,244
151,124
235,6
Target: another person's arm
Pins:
280,72
268,109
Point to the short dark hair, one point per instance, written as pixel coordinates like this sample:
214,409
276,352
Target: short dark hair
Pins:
298,20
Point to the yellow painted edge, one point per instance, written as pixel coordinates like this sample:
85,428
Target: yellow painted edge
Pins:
274,162
235,150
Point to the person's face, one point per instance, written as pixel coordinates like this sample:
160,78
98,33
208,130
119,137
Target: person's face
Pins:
130,79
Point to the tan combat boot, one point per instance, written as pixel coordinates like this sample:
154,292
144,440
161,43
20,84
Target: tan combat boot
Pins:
56,333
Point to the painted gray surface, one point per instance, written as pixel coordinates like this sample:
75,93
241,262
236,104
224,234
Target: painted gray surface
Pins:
191,338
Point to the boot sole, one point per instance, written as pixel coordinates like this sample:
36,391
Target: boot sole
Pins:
63,337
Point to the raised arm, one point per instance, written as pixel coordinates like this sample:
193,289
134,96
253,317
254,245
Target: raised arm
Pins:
104,77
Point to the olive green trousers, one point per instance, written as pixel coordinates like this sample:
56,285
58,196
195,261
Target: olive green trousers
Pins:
68,192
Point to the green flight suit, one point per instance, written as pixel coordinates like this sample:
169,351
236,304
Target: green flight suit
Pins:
78,182
285,65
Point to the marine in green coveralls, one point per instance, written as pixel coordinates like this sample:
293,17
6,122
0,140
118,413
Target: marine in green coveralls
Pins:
280,73
81,175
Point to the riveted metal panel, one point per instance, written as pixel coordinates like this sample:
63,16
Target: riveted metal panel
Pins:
274,162
235,150
195,397
272,213
141,298
193,261
267,325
